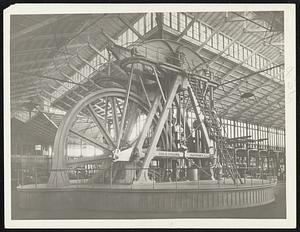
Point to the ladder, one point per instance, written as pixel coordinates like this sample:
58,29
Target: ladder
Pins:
215,127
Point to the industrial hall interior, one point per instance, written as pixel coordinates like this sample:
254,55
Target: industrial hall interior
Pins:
148,115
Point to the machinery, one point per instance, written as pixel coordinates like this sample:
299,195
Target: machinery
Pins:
157,105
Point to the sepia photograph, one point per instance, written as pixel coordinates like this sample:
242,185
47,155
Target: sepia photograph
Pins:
169,113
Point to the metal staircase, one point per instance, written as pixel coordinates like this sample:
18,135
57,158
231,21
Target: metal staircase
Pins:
215,127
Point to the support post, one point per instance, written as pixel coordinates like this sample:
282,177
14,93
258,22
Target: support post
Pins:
133,111
198,113
143,175
147,124
159,17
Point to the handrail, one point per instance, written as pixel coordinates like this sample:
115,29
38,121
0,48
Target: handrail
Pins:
93,177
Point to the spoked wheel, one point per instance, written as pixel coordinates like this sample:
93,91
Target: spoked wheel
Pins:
107,120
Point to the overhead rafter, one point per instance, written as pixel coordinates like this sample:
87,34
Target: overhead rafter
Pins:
43,49
45,68
270,106
278,121
123,20
217,30
84,27
241,63
27,94
260,71
37,26
252,21
255,102
214,59
50,78
223,65
275,120
263,118
38,61
188,27
235,89
225,49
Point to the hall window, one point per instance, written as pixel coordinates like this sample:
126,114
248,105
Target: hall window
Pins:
154,23
245,54
141,28
167,19
208,33
148,22
236,50
174,20
202,32
226,42
231,51
182,22
196,31
221,42
241,52
215,41
257,61
190,30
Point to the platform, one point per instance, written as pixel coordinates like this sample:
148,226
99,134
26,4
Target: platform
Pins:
164,197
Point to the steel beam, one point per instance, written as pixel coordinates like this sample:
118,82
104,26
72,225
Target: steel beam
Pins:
132,119
254,103
96,50
187,27
102,128
266,110
148,124
159,18
226,48
61,94
90,140
275,92
71,79
57,99
123,20
233,104
85,77
125,108
106,112
115,116
144,90
241,63
70,90
210,36
143,175
198,113
159,84
86,62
